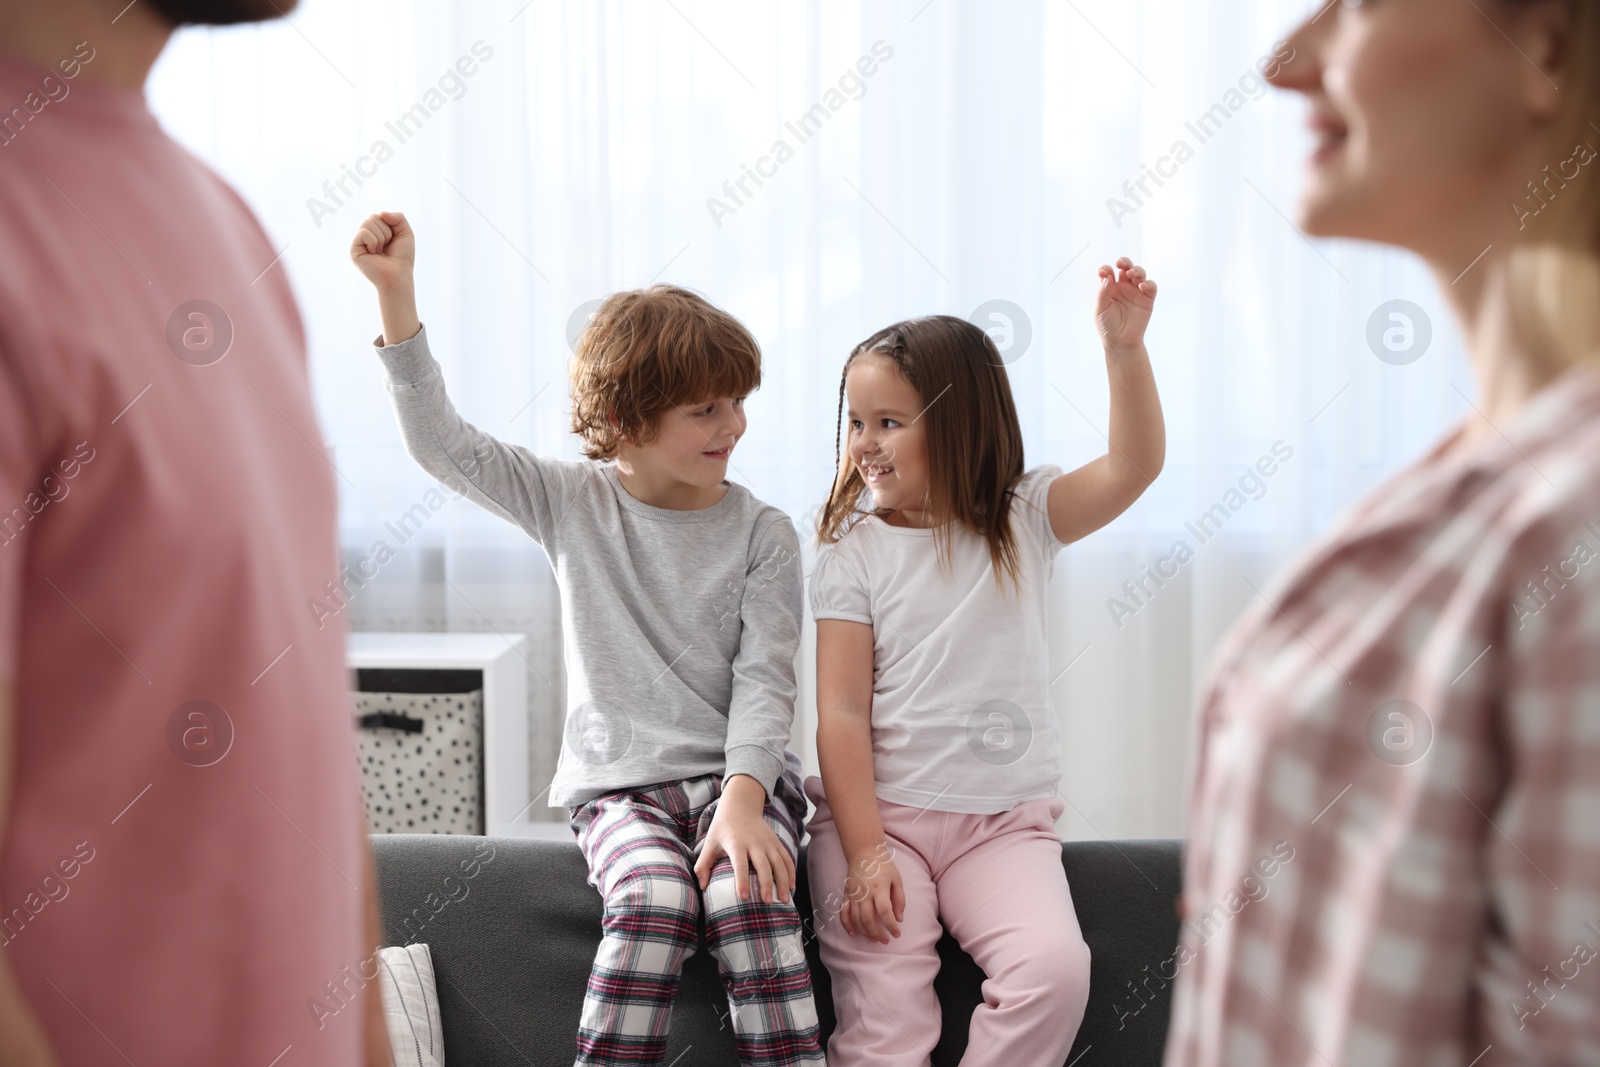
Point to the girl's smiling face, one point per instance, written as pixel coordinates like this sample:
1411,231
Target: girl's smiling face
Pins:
888,442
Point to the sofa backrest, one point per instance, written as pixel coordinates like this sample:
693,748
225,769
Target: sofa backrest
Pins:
512,926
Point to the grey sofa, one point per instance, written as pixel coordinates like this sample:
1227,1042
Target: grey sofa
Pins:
513,927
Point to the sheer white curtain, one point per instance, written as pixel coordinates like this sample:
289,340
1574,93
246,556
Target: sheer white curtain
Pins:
822,169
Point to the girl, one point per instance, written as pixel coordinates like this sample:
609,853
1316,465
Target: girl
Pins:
935,732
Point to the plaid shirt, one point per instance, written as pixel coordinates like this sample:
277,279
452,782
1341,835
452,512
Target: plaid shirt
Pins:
1394,849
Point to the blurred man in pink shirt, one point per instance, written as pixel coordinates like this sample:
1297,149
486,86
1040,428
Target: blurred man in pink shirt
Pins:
184,873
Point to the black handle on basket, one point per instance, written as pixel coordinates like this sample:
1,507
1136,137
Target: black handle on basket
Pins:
392,720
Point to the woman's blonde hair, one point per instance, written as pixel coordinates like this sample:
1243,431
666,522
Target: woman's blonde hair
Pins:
1555,272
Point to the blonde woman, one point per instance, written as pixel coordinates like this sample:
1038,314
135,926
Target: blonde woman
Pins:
1413,707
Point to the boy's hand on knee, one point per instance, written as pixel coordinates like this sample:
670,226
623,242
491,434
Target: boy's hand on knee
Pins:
739,832
875,898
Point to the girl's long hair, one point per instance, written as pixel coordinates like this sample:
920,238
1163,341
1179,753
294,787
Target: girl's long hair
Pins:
970,422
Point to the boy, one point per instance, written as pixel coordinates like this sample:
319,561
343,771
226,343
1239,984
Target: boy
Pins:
681,608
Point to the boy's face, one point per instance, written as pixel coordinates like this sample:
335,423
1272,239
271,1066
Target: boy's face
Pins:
888,443
692,443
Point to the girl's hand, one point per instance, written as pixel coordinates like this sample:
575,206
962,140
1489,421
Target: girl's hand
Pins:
1122,308
742,835
385,249
874,897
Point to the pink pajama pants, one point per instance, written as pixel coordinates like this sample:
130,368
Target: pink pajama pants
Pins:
996,883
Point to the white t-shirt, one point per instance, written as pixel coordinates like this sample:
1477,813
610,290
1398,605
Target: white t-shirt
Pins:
961,714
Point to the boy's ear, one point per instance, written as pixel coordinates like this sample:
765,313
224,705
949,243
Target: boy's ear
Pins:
611,417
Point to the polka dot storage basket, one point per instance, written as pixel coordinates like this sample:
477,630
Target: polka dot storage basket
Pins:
421,760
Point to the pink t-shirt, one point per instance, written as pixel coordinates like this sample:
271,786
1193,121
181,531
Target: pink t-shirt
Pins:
168,894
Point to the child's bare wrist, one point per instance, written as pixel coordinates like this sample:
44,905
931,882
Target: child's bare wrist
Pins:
867,859
1128,354
403,281
397,301
399,331
742,792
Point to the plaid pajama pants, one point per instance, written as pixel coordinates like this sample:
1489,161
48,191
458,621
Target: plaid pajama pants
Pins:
641,846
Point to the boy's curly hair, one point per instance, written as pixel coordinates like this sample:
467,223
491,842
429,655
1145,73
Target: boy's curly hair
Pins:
645,352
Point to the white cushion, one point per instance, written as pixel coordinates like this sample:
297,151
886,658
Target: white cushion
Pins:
411,1006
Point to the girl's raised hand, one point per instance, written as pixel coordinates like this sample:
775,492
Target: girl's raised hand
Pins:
1123,305
385,249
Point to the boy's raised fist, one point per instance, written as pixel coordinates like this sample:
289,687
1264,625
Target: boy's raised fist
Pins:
384,249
